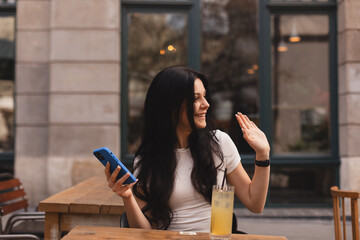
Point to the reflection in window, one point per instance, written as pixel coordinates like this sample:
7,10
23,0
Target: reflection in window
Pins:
7,51
301,185
230,61
155,41
300,78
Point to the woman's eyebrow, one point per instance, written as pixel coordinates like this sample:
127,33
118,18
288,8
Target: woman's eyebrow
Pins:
198,93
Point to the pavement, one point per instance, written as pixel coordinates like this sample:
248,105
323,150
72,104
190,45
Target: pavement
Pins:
293,223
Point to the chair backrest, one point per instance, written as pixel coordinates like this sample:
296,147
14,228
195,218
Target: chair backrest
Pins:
353,196
12,196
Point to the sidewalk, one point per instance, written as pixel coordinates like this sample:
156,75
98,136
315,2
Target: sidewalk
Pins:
293,223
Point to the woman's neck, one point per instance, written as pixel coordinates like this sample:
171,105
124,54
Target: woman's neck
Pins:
182,138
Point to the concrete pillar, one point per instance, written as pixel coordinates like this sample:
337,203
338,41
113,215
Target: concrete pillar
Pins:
349,92
31,95
67,91
84,91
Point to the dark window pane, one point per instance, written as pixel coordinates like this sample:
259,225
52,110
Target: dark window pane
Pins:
301,185
230,61
7,51
155,41
300,78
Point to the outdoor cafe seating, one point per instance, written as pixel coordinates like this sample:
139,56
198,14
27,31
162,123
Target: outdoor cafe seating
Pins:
353,196
20,223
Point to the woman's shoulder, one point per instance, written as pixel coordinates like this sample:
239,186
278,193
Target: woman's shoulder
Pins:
222,137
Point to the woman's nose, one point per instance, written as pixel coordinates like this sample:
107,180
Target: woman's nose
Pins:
205,104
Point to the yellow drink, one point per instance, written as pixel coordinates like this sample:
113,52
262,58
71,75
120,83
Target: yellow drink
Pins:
222,205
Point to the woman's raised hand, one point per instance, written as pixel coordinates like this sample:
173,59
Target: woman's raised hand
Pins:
123,191
254,136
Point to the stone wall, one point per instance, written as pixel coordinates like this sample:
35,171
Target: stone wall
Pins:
67,91
349,92
31,96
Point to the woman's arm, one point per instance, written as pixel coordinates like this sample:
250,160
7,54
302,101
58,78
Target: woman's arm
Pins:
133,206
252,193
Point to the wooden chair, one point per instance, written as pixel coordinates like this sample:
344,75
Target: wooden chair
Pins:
21,224
354,196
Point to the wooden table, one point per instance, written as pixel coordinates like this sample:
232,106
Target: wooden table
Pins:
90,202
102,233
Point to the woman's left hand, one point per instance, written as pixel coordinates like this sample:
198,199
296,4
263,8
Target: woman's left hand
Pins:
254,136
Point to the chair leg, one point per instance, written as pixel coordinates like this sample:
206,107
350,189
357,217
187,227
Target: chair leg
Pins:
355,218
336,218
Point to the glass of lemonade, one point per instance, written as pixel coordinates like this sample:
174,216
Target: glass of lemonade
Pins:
222,205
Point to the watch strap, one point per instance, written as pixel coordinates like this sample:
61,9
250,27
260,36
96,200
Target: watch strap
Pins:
265,163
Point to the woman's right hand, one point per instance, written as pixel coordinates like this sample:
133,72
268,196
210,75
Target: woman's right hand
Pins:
118,187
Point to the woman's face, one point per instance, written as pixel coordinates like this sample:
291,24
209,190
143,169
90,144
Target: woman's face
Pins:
200,108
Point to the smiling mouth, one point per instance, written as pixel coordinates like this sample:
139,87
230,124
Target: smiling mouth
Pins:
201,115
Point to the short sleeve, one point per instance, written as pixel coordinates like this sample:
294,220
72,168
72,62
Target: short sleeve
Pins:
136,172
230,152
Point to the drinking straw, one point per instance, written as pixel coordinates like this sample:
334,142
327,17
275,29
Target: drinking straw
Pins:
222,185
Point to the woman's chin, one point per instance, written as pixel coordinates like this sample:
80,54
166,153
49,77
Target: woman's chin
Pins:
200,125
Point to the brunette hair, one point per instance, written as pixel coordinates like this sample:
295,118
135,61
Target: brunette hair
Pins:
156,163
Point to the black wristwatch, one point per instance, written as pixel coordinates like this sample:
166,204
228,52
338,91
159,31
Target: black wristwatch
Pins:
265,163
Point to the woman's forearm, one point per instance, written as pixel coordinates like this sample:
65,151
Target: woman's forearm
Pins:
258,188
135,216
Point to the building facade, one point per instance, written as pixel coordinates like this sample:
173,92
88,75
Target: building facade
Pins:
82,68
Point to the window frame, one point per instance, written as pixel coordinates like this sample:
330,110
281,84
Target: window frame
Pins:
266,8
7,157
331,161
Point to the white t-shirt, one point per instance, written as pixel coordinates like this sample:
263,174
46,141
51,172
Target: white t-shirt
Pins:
191,211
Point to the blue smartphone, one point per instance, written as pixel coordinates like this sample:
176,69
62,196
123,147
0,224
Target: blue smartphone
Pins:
104,155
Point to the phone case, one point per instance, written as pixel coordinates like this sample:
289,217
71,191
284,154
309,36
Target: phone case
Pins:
104,155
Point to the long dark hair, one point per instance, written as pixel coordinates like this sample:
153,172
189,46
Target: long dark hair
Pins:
157,160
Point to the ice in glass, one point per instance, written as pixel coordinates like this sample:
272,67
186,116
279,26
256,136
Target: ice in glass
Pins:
222,205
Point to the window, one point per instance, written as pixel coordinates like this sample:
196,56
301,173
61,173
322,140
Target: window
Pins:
155,41
299,66
273,60
7,79
300,83
229,58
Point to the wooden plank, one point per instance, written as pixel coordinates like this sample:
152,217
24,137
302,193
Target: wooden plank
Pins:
91,201
113,205
355,218
69,221
102,233
51,227
342,193
14,206
60,202
337,225
7,196
9,184
343,217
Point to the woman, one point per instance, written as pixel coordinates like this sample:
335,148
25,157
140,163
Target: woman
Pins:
181,157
